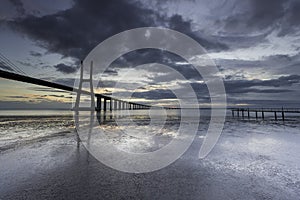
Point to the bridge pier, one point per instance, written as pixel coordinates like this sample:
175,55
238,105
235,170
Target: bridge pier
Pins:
119,105
110,104
98,108
115,104
104,104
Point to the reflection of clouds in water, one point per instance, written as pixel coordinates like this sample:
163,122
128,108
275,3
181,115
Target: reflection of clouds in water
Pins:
16,130
145,135
267,150
154,137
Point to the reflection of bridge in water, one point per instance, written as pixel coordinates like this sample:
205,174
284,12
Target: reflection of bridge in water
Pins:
103,102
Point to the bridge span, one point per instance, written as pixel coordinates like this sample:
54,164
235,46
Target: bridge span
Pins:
102,100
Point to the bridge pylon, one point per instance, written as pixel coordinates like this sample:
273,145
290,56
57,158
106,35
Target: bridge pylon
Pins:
79,92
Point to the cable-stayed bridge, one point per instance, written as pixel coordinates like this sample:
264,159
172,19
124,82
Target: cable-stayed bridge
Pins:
9,70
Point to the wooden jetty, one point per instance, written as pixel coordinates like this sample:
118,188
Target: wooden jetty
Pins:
278,112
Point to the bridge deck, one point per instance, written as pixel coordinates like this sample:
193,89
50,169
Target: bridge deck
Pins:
31,80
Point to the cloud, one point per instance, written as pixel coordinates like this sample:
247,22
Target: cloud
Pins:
41,89
19,6
35,54
155,94
67,33
253,16
17,97
15,105
247,86
65,81
72,35
66,69
177,22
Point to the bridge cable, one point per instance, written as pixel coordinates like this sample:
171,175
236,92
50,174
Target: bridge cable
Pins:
10,64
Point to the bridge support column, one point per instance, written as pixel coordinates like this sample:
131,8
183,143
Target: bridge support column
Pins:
115,104
119,105
110,105
98,108
105,104
275,114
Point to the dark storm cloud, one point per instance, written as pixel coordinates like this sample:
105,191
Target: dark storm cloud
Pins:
66,69
155,94
110,72
40,89
74,32
265,13
13,105
282,64
35,54
19,6
246,86
59,96
242,87
258,15
65,81
103,84
294,13
17,97
147,56
254,15
176,22
242,41
265,103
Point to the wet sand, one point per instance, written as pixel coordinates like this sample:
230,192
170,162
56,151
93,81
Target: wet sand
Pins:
57,168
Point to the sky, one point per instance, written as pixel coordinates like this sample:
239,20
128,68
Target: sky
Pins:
254,43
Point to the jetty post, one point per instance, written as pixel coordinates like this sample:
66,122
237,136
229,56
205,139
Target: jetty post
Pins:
248,113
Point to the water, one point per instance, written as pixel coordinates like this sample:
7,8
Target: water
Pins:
22,127
257,159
